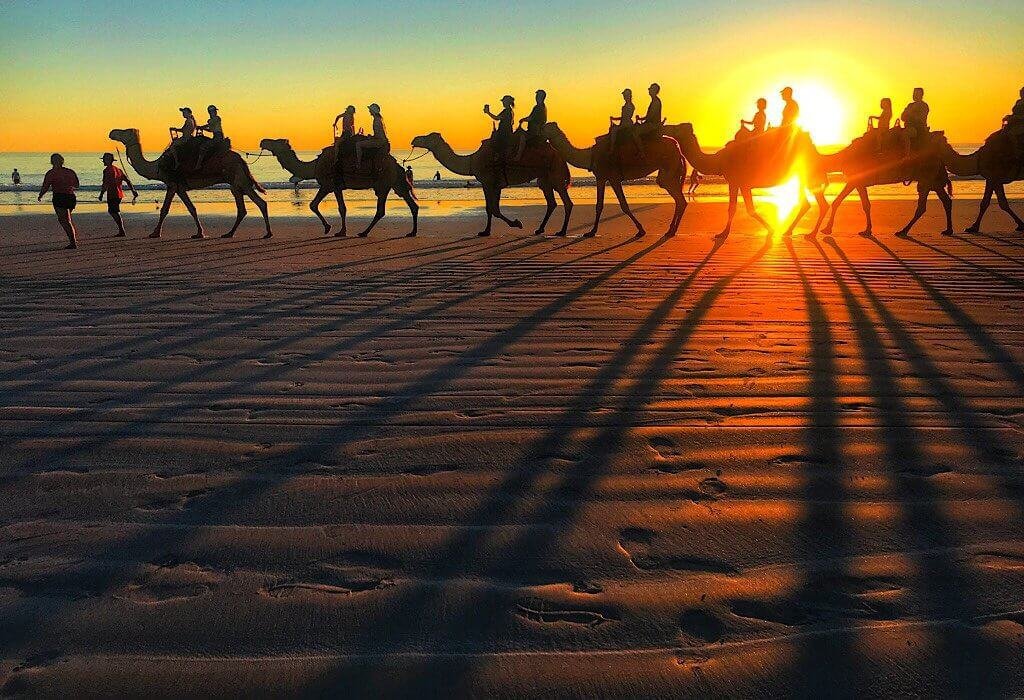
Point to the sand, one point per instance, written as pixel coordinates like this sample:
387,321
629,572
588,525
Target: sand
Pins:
512,466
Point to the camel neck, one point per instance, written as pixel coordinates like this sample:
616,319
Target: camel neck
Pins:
707,163
446,156
146,168
576,157
290,161
959,164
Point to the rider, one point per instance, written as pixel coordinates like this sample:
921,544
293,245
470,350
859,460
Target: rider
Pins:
501,139
621,126
534,134
348,123
649,125
790,111
377,139
757,124
216,131
880,125
915,120
181,136
1016,116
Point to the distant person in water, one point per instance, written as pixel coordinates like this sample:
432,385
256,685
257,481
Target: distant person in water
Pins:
790,110
621,127
757,123
880,125
501,138
695,179
377,139
915,120
437,176
181,135
63,181
649,125
535,121
348,123
113,176
16,177
215,128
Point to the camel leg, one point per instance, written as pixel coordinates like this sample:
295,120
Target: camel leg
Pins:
801,210
261,204
164,208
414,209
240,205
187,201
985,200
514,223
489,207
342,211
865,204
843,194
733,196
947,206
567,205
382,200
819,196
674,187
748,202
314,206
624,205
922,204
549,198
1005,206
598,208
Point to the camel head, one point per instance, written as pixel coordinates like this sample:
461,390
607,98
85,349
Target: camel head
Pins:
552,131
428,141
684,130
275,146
129,137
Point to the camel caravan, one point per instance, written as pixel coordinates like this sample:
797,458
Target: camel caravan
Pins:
534,150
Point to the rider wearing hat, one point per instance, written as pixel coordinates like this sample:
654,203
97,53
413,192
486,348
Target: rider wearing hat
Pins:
181,135
621,126
378,139
216,131
501,139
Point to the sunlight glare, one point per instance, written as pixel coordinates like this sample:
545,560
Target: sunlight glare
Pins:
786,198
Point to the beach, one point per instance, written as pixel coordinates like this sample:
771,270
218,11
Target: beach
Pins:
515,466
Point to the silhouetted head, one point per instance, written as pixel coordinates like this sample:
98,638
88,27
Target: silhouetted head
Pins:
427,140
374,108
212,109
1022,93
762,104
56,160
541,96
275,145
787,93
350,109
508,101
627,95
107,158
187,111
654,89
918,94
886,103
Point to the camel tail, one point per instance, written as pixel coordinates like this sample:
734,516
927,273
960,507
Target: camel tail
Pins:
252,179
567,174
949,186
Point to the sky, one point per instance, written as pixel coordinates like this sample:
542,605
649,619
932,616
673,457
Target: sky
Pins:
70,70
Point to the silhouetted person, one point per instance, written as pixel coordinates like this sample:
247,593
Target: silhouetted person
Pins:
113,176
621,127
915,120
790,110
16,177
1014,119
182,135
437,176
348,123
63,181
695,179
408,173
501,138
535,121
215,128
880,125
649,125
377,139
758,123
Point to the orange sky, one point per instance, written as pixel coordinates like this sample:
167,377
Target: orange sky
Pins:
278,73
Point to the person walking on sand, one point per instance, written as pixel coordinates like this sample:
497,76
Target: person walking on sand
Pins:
695,179
16,177
408,173
63,181
113,176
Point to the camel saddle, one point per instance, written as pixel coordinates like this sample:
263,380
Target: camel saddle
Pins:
537,154
374,158
197,156
626,154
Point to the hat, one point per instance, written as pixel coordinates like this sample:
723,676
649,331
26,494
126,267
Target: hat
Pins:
508,98
184,109
107,155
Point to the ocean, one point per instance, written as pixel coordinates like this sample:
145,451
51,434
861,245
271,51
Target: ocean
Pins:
286,197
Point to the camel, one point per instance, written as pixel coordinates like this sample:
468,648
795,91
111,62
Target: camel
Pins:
229,168
552,176
863,165
999,163
322,169
762,161
662,155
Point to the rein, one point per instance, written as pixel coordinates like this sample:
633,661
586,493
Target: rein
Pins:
258,155
410,159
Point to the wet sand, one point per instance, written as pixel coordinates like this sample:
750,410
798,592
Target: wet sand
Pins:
512,466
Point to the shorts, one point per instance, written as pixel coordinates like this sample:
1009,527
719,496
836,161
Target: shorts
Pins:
63,200
114,205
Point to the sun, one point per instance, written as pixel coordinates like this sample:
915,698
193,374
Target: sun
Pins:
822,112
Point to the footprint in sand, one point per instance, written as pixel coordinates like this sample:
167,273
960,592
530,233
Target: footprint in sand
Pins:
163,583
331,579
648,554
826,599
550,613
701,625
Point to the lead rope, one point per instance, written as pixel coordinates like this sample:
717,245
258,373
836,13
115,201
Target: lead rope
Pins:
258,155
410,159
